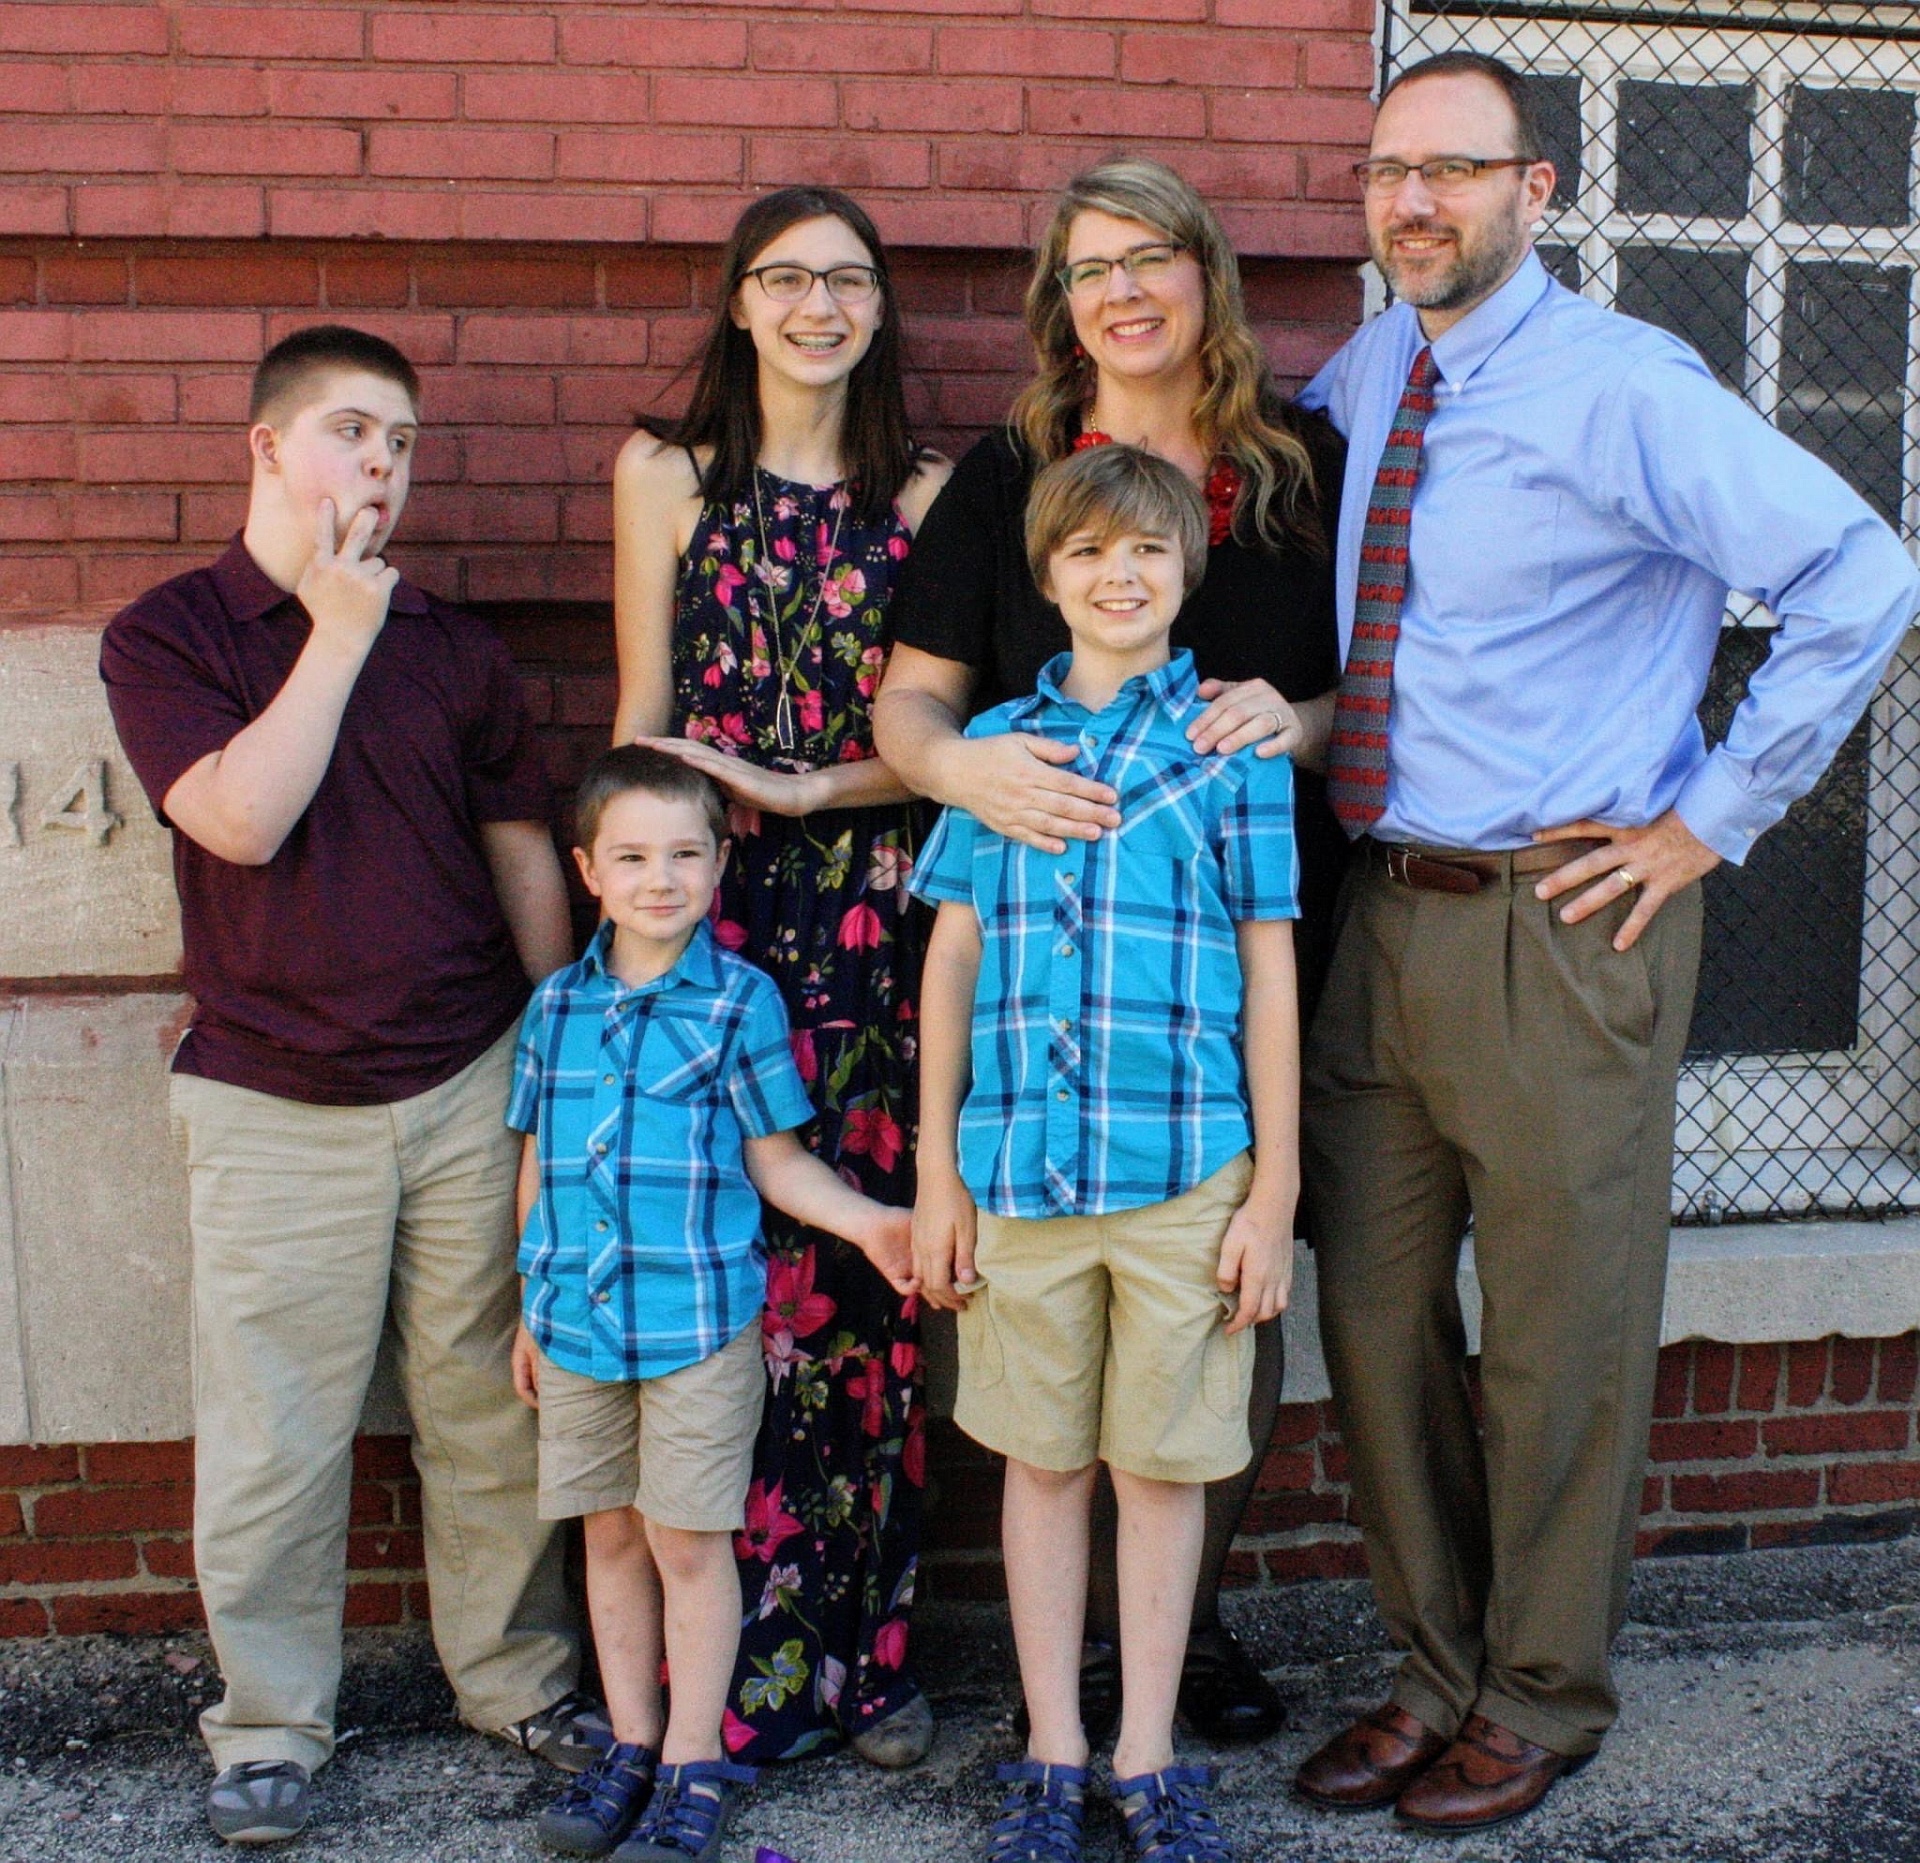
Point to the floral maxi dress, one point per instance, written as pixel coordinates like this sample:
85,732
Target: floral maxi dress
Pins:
829,1551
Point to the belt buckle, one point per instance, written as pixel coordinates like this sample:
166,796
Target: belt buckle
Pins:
1397,863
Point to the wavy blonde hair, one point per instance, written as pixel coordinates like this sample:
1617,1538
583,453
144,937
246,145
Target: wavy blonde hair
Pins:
1241,416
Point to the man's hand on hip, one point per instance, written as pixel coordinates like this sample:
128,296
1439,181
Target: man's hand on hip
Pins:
1658,860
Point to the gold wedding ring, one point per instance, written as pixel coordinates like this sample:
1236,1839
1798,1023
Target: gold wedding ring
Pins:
1627,877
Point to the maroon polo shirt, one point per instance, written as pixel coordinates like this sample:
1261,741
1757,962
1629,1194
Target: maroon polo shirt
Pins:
369,959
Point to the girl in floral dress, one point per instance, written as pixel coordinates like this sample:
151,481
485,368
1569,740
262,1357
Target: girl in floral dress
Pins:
756,545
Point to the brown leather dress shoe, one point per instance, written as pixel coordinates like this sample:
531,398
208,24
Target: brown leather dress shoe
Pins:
1487,1776
1370,1763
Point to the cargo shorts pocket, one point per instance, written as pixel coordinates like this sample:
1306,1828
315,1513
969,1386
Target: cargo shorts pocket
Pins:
1223,1365
983,1362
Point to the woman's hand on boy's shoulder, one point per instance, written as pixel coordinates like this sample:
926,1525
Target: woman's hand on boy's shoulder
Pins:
943,1236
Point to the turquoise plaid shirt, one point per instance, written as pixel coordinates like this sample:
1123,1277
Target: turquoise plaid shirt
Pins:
642,1252
1106,1025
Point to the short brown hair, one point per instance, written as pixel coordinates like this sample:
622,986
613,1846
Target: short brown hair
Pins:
291,371
1527,141
628,767
1111,489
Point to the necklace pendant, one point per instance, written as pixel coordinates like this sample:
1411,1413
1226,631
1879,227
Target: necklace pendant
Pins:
783,720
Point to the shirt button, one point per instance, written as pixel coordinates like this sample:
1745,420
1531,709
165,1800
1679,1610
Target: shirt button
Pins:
599,1150
608,1080
1063,1023
602,1298
1066,950
1063,1094
601,1226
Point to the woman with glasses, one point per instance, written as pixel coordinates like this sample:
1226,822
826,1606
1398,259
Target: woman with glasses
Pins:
757,541
1136,318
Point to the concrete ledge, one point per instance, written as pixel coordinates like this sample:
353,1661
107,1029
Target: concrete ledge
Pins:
1744,1284
94,1261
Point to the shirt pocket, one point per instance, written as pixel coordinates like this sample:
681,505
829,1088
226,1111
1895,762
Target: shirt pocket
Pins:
1500,542
680,1059
1165,818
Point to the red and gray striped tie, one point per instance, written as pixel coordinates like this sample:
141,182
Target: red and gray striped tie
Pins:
1357,761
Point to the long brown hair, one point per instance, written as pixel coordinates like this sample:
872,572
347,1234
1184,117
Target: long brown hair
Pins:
1241,416
876,452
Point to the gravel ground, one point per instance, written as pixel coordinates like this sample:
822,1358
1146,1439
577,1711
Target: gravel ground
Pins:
1772,1712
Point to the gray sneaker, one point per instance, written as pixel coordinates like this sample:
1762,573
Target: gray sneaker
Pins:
570,1733
259,1802
900,1738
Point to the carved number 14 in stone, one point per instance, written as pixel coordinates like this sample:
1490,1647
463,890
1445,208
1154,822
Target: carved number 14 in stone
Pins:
80,803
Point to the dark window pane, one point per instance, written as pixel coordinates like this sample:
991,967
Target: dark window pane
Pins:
1684,148
1780,962
1700,296
1556,107
1849,154
1841,376
1563,262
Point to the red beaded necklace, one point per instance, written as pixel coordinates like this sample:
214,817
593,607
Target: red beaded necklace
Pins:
1223,486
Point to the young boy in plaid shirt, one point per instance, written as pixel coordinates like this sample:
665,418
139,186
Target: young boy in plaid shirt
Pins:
658,1096
1105,1032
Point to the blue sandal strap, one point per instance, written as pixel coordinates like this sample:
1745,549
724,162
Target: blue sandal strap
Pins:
1041,1815
1168,1818
605,1791
684,1818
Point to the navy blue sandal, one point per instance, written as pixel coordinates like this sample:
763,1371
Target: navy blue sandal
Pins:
602,1804
1041,1816
688,1815
1168,1818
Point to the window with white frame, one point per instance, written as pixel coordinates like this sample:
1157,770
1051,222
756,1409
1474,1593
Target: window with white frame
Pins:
1745,175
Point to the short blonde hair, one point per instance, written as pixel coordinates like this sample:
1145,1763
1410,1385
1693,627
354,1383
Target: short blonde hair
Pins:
1110,490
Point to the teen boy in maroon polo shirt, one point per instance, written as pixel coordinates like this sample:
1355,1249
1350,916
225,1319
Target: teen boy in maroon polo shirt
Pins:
367,883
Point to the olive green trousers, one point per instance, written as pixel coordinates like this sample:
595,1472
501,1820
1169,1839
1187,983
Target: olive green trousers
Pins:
1475,1057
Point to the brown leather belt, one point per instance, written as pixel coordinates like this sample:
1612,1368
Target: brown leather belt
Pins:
1461,870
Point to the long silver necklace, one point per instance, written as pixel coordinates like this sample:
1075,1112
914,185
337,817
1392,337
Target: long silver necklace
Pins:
783,731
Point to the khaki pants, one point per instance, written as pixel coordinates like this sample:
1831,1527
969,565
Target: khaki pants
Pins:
1474,1054
313,1226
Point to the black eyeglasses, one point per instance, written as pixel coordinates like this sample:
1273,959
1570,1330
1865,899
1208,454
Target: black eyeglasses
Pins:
788,284
1445,174
1143,265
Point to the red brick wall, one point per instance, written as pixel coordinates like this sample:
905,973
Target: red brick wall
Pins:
652,120
526,195
100,1538
1753,1447
124,367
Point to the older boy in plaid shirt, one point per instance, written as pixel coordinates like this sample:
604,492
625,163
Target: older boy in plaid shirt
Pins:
1120,1021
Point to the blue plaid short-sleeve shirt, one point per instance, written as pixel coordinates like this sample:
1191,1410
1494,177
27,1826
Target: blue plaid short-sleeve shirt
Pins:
1106,1026
642,1253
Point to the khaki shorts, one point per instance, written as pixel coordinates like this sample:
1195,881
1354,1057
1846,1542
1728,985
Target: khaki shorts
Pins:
678,1447
1105,1337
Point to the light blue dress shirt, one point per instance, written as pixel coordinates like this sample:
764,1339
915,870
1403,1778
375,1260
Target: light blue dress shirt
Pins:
1588,497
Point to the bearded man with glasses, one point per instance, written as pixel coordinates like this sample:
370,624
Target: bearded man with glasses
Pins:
1546,506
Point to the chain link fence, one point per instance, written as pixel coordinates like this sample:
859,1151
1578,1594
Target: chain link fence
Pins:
1743,174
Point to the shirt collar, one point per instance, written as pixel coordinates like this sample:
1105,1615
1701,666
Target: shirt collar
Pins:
1175,685
248,592
698,964
1483,329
